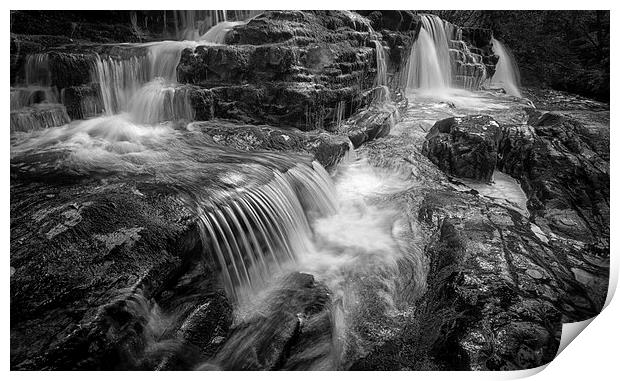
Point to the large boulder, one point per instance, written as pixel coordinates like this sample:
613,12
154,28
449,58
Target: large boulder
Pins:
561,164
464,146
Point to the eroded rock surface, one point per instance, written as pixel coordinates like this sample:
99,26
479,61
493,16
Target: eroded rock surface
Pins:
464,147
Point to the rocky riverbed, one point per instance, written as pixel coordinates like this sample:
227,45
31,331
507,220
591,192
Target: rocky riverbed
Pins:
296,207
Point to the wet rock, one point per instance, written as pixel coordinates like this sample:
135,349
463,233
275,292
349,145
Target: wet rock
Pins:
326,148
82,101
38,117
497,292
464,146
392,19
300,105
300,27
567,181
287,68
270,338
78,252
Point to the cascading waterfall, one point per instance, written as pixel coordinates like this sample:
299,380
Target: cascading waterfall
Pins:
145,83
35,103
267,227
37,69
142,84
506,71
441,59
467,67
160,101
119,80
258,213
429,63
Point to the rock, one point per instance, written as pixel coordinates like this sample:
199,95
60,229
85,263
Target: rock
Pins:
392,20
464,146
326,148
67,274
82,102
497,294
270,339
38,117
97,253
567,182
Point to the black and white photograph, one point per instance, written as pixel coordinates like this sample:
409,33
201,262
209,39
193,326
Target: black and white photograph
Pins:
305,190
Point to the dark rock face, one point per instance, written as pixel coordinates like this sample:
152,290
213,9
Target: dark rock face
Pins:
566,179
82,101
392,19
464,147
91,246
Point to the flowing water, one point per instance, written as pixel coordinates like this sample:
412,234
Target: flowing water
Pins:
261,215
506,71
429,64
440,59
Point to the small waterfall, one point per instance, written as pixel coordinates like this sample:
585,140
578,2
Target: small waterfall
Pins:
164,57
383,95
441,59
190,25
160,101
506,71
35,104
429,63
119,80
38,117
37,69
217,34
256,234
122,80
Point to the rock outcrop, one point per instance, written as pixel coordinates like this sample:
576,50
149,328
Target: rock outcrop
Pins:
464,146
562,167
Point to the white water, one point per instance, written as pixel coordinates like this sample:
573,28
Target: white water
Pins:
429,63
506,71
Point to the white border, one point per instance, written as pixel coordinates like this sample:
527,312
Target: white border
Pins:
592,355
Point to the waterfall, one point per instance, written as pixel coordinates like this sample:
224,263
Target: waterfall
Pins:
144,84
429,62
217,34
38,117
383,94
148,83
191,24
440,58
160,101
119,80
254,235
506,71
37,69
